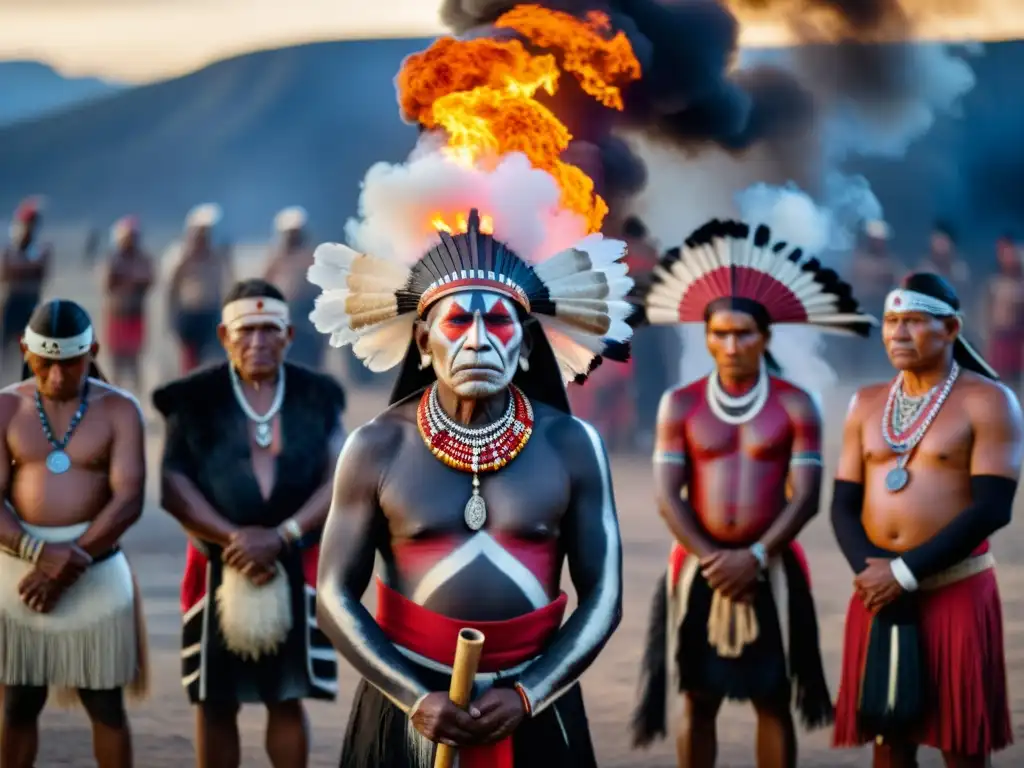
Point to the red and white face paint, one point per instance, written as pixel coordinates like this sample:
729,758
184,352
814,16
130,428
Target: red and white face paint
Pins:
475,339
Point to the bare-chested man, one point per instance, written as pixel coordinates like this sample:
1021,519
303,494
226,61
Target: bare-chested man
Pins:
24,265
247,470
475,487
72,474
199,282
737,467
127,280
928,471
290,261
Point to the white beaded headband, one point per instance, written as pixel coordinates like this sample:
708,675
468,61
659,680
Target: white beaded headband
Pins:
255,311
58,349
901,301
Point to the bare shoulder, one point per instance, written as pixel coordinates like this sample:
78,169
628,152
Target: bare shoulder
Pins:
866,401
798,402
119,403
987,400
370,447
678,403
576,440
10,402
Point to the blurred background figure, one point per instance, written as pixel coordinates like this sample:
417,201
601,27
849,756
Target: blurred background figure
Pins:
24,268
91,250
1004,314
943,260
290,259
197,288
127,279
874,270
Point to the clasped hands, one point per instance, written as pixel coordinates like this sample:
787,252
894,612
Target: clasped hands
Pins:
876,586
254,551
732,573
489,719
59,566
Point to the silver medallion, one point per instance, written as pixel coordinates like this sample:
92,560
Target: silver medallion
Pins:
58,462
896,479
264,435
476,512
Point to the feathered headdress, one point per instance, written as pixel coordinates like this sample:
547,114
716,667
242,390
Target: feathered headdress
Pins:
738,261
577,295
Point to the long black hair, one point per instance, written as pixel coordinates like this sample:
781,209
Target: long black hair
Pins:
60,319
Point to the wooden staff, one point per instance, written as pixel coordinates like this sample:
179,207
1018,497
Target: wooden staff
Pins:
467,659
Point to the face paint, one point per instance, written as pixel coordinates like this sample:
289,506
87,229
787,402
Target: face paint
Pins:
475,340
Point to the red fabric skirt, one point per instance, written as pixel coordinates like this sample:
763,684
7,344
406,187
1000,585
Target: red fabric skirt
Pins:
506,644
125,334
961,629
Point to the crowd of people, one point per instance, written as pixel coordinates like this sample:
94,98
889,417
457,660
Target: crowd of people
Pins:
478,484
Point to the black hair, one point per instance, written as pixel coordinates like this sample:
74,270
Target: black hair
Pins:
633,227
254,288
60,319
932,285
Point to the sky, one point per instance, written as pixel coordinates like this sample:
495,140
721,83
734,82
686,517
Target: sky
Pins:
142,40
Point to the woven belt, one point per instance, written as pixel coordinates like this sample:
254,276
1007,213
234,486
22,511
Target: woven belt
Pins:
972,566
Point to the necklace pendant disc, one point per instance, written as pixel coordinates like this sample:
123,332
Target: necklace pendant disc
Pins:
264,435
475,512
896,479
58,462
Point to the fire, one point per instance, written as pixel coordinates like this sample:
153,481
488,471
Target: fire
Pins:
439,223
481,93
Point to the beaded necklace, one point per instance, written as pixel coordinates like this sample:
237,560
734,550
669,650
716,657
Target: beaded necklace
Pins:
475,449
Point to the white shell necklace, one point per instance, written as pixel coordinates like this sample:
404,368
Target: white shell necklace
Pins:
264,433
741,409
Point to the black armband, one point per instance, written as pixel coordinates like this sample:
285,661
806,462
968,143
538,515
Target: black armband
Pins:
990,510
847,505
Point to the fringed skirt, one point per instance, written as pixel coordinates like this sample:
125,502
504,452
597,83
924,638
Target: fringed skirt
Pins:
962,668
379,734
765,651
94,638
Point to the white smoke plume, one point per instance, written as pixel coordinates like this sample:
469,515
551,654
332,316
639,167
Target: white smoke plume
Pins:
399,201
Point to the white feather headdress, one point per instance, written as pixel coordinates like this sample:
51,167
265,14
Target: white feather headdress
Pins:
578,295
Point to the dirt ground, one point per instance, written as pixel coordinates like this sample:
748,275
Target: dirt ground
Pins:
163,725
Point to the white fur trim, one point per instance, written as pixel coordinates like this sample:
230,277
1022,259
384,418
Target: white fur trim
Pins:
59,349
254,621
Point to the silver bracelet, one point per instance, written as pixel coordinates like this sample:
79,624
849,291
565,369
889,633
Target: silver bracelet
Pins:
903,575
760,554
290,531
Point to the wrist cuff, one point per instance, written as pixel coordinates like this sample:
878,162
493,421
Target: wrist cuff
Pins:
416,705
527,706
760,554
903,575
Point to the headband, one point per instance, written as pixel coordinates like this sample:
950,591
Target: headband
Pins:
58,349
901,301
255,311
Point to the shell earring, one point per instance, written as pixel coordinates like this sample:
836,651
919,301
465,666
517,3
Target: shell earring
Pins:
425,362
524,364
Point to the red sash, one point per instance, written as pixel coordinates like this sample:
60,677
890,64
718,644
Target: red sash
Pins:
507,644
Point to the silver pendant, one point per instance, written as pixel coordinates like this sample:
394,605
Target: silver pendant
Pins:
264,435
58,462
896,479
476,512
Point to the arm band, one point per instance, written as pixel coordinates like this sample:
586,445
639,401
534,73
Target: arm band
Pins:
992,503
847,505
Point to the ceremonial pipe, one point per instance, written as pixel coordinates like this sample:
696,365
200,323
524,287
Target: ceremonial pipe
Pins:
467,659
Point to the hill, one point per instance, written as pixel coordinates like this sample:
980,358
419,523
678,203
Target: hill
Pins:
302,124
30,90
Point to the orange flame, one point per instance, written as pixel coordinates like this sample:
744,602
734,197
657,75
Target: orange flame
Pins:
481,93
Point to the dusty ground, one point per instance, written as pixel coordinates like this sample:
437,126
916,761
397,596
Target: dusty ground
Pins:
163,725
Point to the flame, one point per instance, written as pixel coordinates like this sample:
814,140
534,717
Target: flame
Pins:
481,94
439,222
